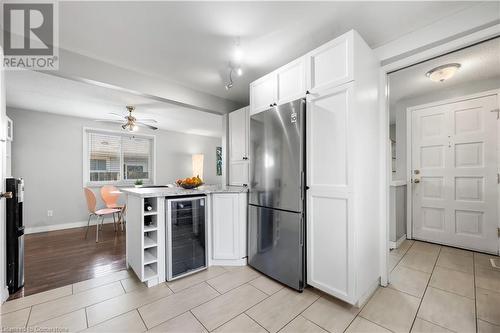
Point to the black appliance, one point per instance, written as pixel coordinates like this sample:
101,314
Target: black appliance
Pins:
15,234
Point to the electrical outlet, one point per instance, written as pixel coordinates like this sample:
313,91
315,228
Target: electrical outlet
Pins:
50,213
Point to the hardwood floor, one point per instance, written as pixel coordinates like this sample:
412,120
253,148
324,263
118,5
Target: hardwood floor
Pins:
58,258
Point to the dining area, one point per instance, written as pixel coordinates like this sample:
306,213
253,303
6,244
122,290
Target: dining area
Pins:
111,206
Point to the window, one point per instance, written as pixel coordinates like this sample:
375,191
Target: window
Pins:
117,158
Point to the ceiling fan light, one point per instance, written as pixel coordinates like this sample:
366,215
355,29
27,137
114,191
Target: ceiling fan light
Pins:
133,128
442,73
239,71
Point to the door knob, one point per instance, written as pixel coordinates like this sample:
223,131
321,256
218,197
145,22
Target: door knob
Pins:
6,195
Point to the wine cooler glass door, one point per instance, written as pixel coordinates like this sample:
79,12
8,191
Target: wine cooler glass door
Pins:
186,236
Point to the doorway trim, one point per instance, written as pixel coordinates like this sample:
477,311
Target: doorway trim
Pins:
409,144
385,173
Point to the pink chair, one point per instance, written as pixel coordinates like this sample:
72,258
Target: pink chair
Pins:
110,195
91,204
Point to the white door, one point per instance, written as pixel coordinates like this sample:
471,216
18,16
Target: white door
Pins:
330,233
454,172
3,291
226,233
239,173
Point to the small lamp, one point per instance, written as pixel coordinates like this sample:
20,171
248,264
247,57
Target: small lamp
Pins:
198,165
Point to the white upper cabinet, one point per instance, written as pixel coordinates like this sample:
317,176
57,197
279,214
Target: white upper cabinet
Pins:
238,134
291,81
263,93
331,64
239,141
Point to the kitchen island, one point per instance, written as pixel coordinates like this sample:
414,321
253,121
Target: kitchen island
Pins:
225,212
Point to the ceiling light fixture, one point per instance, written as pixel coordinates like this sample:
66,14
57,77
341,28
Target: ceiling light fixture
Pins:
442,73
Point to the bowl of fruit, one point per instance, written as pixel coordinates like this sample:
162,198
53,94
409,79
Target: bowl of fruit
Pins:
189,183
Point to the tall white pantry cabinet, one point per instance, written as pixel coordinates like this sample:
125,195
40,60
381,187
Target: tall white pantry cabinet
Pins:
340,83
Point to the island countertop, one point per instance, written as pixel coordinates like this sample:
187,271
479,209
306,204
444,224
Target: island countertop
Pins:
152,192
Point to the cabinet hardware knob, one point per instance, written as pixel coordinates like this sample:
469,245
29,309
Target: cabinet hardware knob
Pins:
271,105
245,185
275,104
307,92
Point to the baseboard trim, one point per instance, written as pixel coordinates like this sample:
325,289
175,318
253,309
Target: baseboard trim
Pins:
396,244
53,227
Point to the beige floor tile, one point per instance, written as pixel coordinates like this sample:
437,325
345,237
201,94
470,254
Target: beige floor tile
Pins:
100,281
448,310
421,261
455,261
127,322
267,285
131,284
169,307
361,325
401,250
227,306
15,319
64,305
241,324
277,310
331,314
488,305
428,248
392,261
119,305
483,260
423,326
487,279
233,278
452,250
186,322
485,327
302,325
24,302
453,281
71,322
409,281
197,278
391,309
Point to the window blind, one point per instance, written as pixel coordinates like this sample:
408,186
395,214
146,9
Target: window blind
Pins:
117,158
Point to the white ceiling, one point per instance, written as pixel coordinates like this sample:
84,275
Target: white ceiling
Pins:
191,42
478,63
47,93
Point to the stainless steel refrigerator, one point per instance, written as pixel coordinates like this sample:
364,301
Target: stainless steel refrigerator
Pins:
276,227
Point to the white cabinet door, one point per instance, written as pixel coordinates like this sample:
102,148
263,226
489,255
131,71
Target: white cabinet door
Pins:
238,134
225,221
239,173
291,81
330,64
330,233
263,93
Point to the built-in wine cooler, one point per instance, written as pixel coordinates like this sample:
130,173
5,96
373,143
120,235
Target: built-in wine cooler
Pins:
186,236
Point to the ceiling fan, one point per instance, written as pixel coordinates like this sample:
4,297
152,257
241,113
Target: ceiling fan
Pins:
131,123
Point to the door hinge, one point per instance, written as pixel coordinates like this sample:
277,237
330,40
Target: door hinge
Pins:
498,178
498,231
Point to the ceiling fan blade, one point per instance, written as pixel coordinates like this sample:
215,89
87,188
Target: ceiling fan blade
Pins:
117,115
146,125
147,120
109,121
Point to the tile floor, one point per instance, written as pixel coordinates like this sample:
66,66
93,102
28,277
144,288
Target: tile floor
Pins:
433,289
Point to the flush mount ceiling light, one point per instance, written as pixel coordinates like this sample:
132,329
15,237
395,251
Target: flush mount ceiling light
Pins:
442,73
235,64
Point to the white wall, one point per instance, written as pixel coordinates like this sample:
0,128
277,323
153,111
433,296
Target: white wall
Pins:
47,153
440,94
